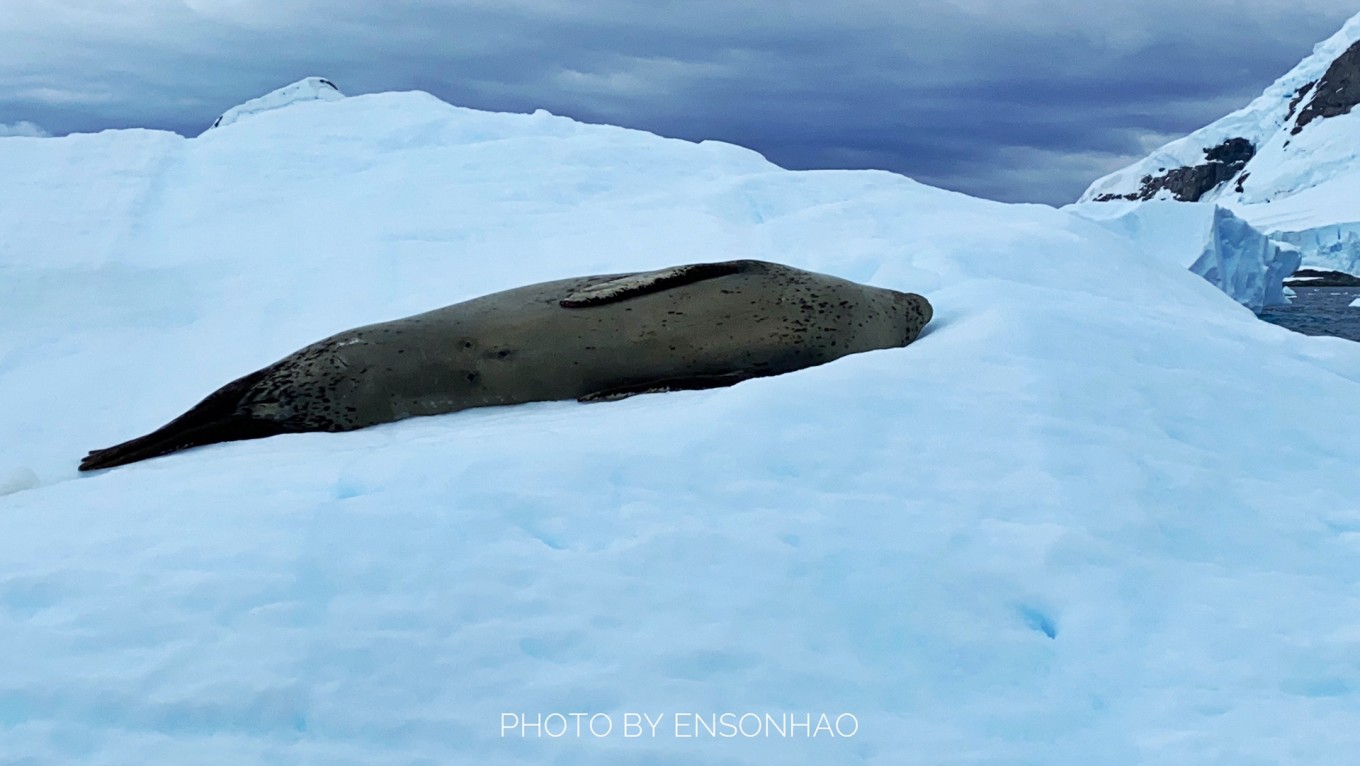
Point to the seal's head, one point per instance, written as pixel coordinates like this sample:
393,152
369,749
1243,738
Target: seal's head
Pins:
923,306
918,312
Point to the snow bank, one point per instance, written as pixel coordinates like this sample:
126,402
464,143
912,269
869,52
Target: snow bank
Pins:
1088,516
1209,241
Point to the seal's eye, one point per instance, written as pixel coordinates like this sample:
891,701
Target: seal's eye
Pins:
467,344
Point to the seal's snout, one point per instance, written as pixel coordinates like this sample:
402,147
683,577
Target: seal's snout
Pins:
927,311
917,306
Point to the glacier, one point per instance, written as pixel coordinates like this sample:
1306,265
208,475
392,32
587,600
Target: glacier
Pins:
1093,514
1323,221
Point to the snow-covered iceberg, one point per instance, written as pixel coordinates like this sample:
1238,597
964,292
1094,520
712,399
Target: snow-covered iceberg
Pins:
1209,241
1091,516
309,89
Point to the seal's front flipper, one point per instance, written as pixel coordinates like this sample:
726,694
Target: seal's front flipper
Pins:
695,383
633,285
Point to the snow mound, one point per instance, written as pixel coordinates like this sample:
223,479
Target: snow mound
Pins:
1091,511
17,480
308,89
22,130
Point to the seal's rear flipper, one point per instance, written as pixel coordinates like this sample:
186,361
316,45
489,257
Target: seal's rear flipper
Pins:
633,285
696,383
215,419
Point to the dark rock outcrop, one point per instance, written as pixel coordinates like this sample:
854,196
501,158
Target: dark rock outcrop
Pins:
1190,183
1298,96
1337,91
1322,278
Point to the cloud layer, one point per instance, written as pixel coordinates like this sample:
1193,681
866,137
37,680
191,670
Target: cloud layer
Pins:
1010,99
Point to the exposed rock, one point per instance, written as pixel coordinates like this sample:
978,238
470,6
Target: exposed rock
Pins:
1337,91
1190,183
1234,150
1298,96
1321,278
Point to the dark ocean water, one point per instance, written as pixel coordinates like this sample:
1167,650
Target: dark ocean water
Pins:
1320,311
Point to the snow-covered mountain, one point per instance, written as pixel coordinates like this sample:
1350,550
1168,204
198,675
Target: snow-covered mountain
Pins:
1288,162
1086,518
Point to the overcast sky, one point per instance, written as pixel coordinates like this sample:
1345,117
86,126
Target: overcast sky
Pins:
1018,100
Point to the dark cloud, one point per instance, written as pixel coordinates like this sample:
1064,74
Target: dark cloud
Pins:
1010,99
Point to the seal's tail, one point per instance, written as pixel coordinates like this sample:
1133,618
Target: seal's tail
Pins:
215,419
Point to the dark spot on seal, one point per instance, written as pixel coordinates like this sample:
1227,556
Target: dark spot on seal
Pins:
473,376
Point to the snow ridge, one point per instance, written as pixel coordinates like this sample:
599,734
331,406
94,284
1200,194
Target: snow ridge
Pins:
308,89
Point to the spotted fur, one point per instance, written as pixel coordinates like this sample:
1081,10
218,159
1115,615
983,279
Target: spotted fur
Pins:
591,339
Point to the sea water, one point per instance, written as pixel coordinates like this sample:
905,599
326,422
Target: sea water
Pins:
1320,311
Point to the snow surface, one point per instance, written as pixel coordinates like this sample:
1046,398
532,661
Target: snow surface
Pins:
1209,241
1091,516
1301,189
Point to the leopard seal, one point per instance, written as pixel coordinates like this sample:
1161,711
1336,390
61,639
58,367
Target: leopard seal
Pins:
593,338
